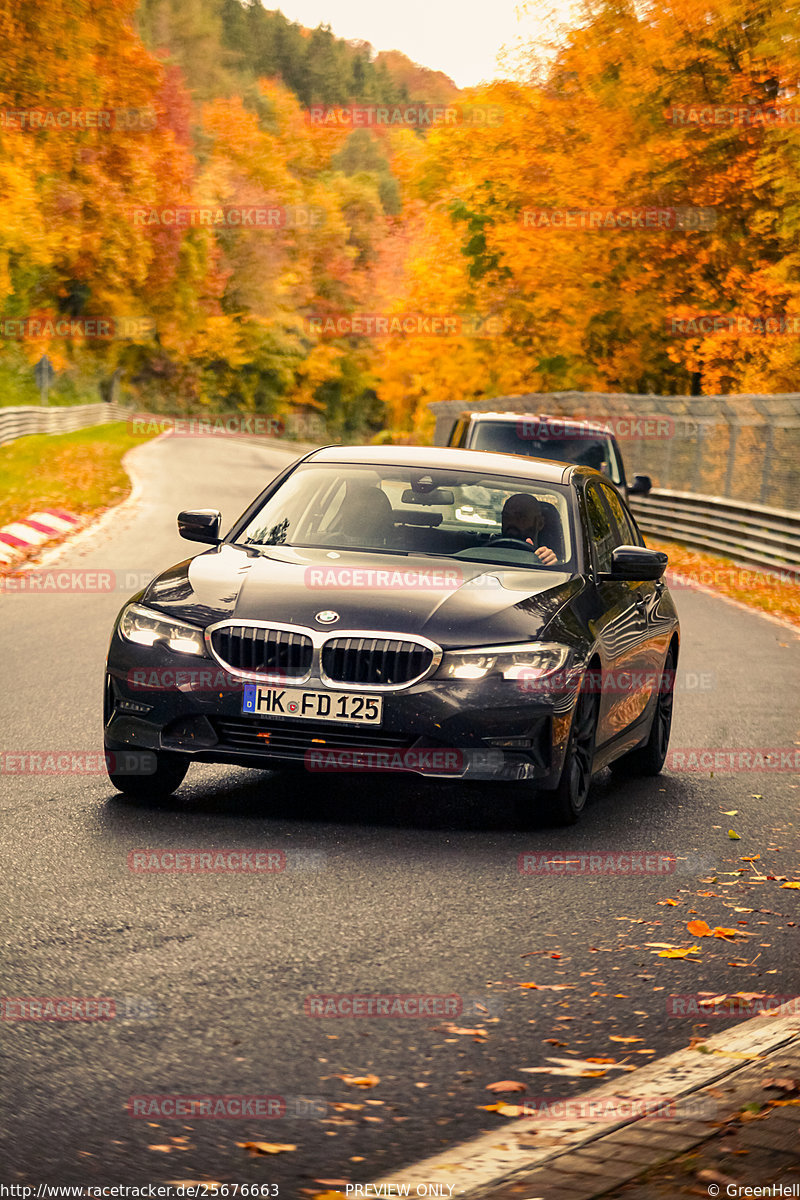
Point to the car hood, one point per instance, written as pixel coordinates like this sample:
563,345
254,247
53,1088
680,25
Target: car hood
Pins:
452,601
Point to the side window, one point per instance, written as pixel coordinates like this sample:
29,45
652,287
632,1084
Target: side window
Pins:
602,534
457,436
627,529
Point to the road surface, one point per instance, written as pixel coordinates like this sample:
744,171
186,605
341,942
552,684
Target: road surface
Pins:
393,887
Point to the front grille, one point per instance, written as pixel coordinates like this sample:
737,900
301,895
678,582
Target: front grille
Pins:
295,738
263,651
376,661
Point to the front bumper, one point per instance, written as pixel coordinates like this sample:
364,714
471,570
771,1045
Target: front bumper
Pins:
448,729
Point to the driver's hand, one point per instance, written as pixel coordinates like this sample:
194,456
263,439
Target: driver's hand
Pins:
547,556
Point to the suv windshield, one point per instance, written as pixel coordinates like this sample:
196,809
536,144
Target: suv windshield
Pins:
533,437
412,510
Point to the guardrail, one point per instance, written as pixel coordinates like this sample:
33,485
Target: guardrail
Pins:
26,419
749,534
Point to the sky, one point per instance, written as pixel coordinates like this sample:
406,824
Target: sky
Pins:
460,37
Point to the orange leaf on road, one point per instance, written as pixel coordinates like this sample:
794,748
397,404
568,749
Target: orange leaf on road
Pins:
266,1147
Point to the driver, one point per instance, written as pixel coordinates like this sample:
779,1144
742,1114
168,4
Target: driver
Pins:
523,519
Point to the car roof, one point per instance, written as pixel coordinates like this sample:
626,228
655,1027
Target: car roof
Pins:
508,417
540,470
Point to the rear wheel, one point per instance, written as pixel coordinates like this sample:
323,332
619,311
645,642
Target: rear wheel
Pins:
565,803
123,764
649,758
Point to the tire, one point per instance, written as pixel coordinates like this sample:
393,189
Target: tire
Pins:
649,758
564,804
170,771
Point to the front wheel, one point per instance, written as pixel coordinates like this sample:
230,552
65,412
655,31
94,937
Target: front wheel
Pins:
145,775
565,803
649,758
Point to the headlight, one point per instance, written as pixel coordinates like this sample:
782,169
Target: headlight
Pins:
142,625
530,660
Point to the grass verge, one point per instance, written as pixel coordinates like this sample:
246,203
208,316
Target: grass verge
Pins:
757,589
81,471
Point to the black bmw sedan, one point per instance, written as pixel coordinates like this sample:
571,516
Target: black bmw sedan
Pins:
432,611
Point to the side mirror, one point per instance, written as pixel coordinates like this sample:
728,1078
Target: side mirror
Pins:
200,525
636,563
641,485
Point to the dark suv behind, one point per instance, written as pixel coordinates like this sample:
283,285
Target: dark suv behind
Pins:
561,439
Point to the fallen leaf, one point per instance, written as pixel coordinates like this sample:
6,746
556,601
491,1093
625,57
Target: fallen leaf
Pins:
795,883
727,934
733,835
266,1147
613,1038
506,1085
730,998
709,1176
699,929
164,1149
548,987
575,1067
678,953
362,1081
732,812
462,1030
667,901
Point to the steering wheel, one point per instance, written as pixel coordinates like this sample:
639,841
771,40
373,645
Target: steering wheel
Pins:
512,543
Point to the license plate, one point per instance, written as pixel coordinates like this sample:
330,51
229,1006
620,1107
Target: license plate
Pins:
299,704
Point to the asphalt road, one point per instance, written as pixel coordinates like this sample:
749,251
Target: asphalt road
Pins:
392,887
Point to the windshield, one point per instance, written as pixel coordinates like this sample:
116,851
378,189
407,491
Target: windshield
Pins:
411,510
533,437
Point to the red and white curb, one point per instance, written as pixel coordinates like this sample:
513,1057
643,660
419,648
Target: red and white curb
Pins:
22,536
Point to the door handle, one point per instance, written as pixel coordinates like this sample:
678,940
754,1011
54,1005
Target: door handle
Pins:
639,603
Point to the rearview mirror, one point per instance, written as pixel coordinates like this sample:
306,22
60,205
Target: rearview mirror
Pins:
200,525
641,485
441,496
635,563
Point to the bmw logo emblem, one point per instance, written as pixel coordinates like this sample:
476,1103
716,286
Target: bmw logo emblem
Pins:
327,616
